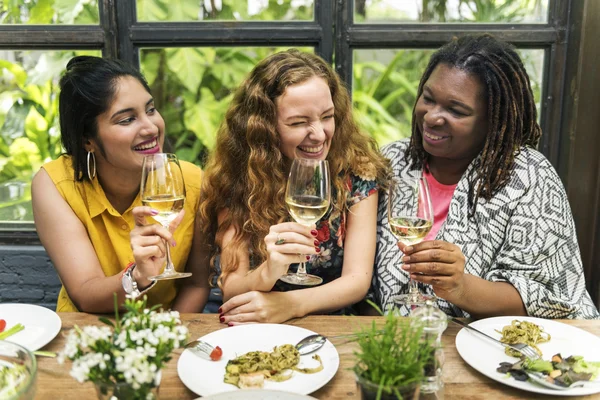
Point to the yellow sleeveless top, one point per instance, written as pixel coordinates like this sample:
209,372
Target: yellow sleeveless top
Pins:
108,230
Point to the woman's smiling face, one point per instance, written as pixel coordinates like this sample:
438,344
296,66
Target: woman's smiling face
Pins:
305,120
452,114
129,129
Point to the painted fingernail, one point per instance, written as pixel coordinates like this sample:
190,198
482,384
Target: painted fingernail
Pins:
230,324
154,212
173,243
221,318
316,242
314,232
318,249
220,310
307,258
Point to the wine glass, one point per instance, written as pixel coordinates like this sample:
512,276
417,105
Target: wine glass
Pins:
307,197
410,215
163,189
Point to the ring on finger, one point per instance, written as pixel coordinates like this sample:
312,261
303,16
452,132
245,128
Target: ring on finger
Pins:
280,240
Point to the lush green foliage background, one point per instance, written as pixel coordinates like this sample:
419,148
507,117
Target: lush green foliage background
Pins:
193,86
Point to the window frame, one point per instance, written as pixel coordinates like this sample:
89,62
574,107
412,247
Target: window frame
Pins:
120,35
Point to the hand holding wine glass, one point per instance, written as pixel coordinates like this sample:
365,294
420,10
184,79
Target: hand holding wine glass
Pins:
410,215
163,189
307,197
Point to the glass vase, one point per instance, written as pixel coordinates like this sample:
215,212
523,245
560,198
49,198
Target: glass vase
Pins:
368,391
124,391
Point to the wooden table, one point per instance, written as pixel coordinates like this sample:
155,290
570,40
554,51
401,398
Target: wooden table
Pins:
461,381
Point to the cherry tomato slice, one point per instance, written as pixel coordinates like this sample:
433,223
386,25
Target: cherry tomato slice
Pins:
2,325
216,354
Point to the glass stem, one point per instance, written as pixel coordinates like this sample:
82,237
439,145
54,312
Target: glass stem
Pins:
301,269
169,268
413,286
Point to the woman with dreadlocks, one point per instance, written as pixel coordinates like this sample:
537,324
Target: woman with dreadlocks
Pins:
503,240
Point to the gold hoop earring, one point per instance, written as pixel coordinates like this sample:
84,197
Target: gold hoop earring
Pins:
91,156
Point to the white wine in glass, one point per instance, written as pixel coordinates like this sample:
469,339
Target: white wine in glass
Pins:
307,197
163,189
410,215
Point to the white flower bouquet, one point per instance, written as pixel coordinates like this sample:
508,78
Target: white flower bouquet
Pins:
128,353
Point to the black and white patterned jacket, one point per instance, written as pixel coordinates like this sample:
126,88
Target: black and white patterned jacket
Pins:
524,235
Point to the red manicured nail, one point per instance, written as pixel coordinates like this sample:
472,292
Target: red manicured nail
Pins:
230,324
317,242
318,249
314,232
220,311
221,318
307,258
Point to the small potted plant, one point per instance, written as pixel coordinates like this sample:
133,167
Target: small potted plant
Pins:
124,358
391,359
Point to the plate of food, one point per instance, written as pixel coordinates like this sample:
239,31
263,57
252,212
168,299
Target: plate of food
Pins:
257,394
550,337
39,324
258,356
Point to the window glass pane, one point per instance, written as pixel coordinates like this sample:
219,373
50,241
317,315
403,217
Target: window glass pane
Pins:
490,11
193,87
29,128
65,12
225,10
385,85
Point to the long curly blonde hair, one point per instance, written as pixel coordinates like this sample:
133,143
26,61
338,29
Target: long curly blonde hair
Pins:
246,174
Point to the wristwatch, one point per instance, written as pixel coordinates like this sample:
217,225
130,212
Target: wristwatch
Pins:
129,284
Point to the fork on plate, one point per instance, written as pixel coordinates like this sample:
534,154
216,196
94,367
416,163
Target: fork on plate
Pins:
540,379
200,348
522,348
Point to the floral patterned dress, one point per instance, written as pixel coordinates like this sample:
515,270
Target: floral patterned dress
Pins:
331,233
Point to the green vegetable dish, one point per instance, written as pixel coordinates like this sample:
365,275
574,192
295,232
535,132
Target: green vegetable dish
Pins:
12,378
251,369
560,371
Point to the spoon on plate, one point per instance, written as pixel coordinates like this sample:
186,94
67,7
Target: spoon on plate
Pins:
315,342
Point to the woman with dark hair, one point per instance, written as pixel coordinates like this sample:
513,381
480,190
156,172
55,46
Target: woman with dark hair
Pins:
292,105
503,240
84,201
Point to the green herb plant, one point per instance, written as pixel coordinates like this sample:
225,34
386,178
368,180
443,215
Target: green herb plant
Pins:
392,357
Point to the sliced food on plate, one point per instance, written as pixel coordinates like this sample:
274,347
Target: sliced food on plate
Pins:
251,369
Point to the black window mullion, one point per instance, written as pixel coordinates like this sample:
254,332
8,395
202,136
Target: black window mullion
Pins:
126,18
344,19
51,37
324,12
108,22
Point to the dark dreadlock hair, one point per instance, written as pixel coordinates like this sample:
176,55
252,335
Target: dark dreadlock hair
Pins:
511,110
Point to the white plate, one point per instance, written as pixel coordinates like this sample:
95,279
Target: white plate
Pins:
41,324
205,377
259,394
485,356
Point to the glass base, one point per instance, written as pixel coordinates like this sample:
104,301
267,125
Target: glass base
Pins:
301,279
413,299
166,275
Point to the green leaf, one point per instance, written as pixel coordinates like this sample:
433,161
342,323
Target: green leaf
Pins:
18,73
42,13
152,10
36,129
106,321
183,10
189,64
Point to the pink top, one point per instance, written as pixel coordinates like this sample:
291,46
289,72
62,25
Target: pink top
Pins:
441,195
